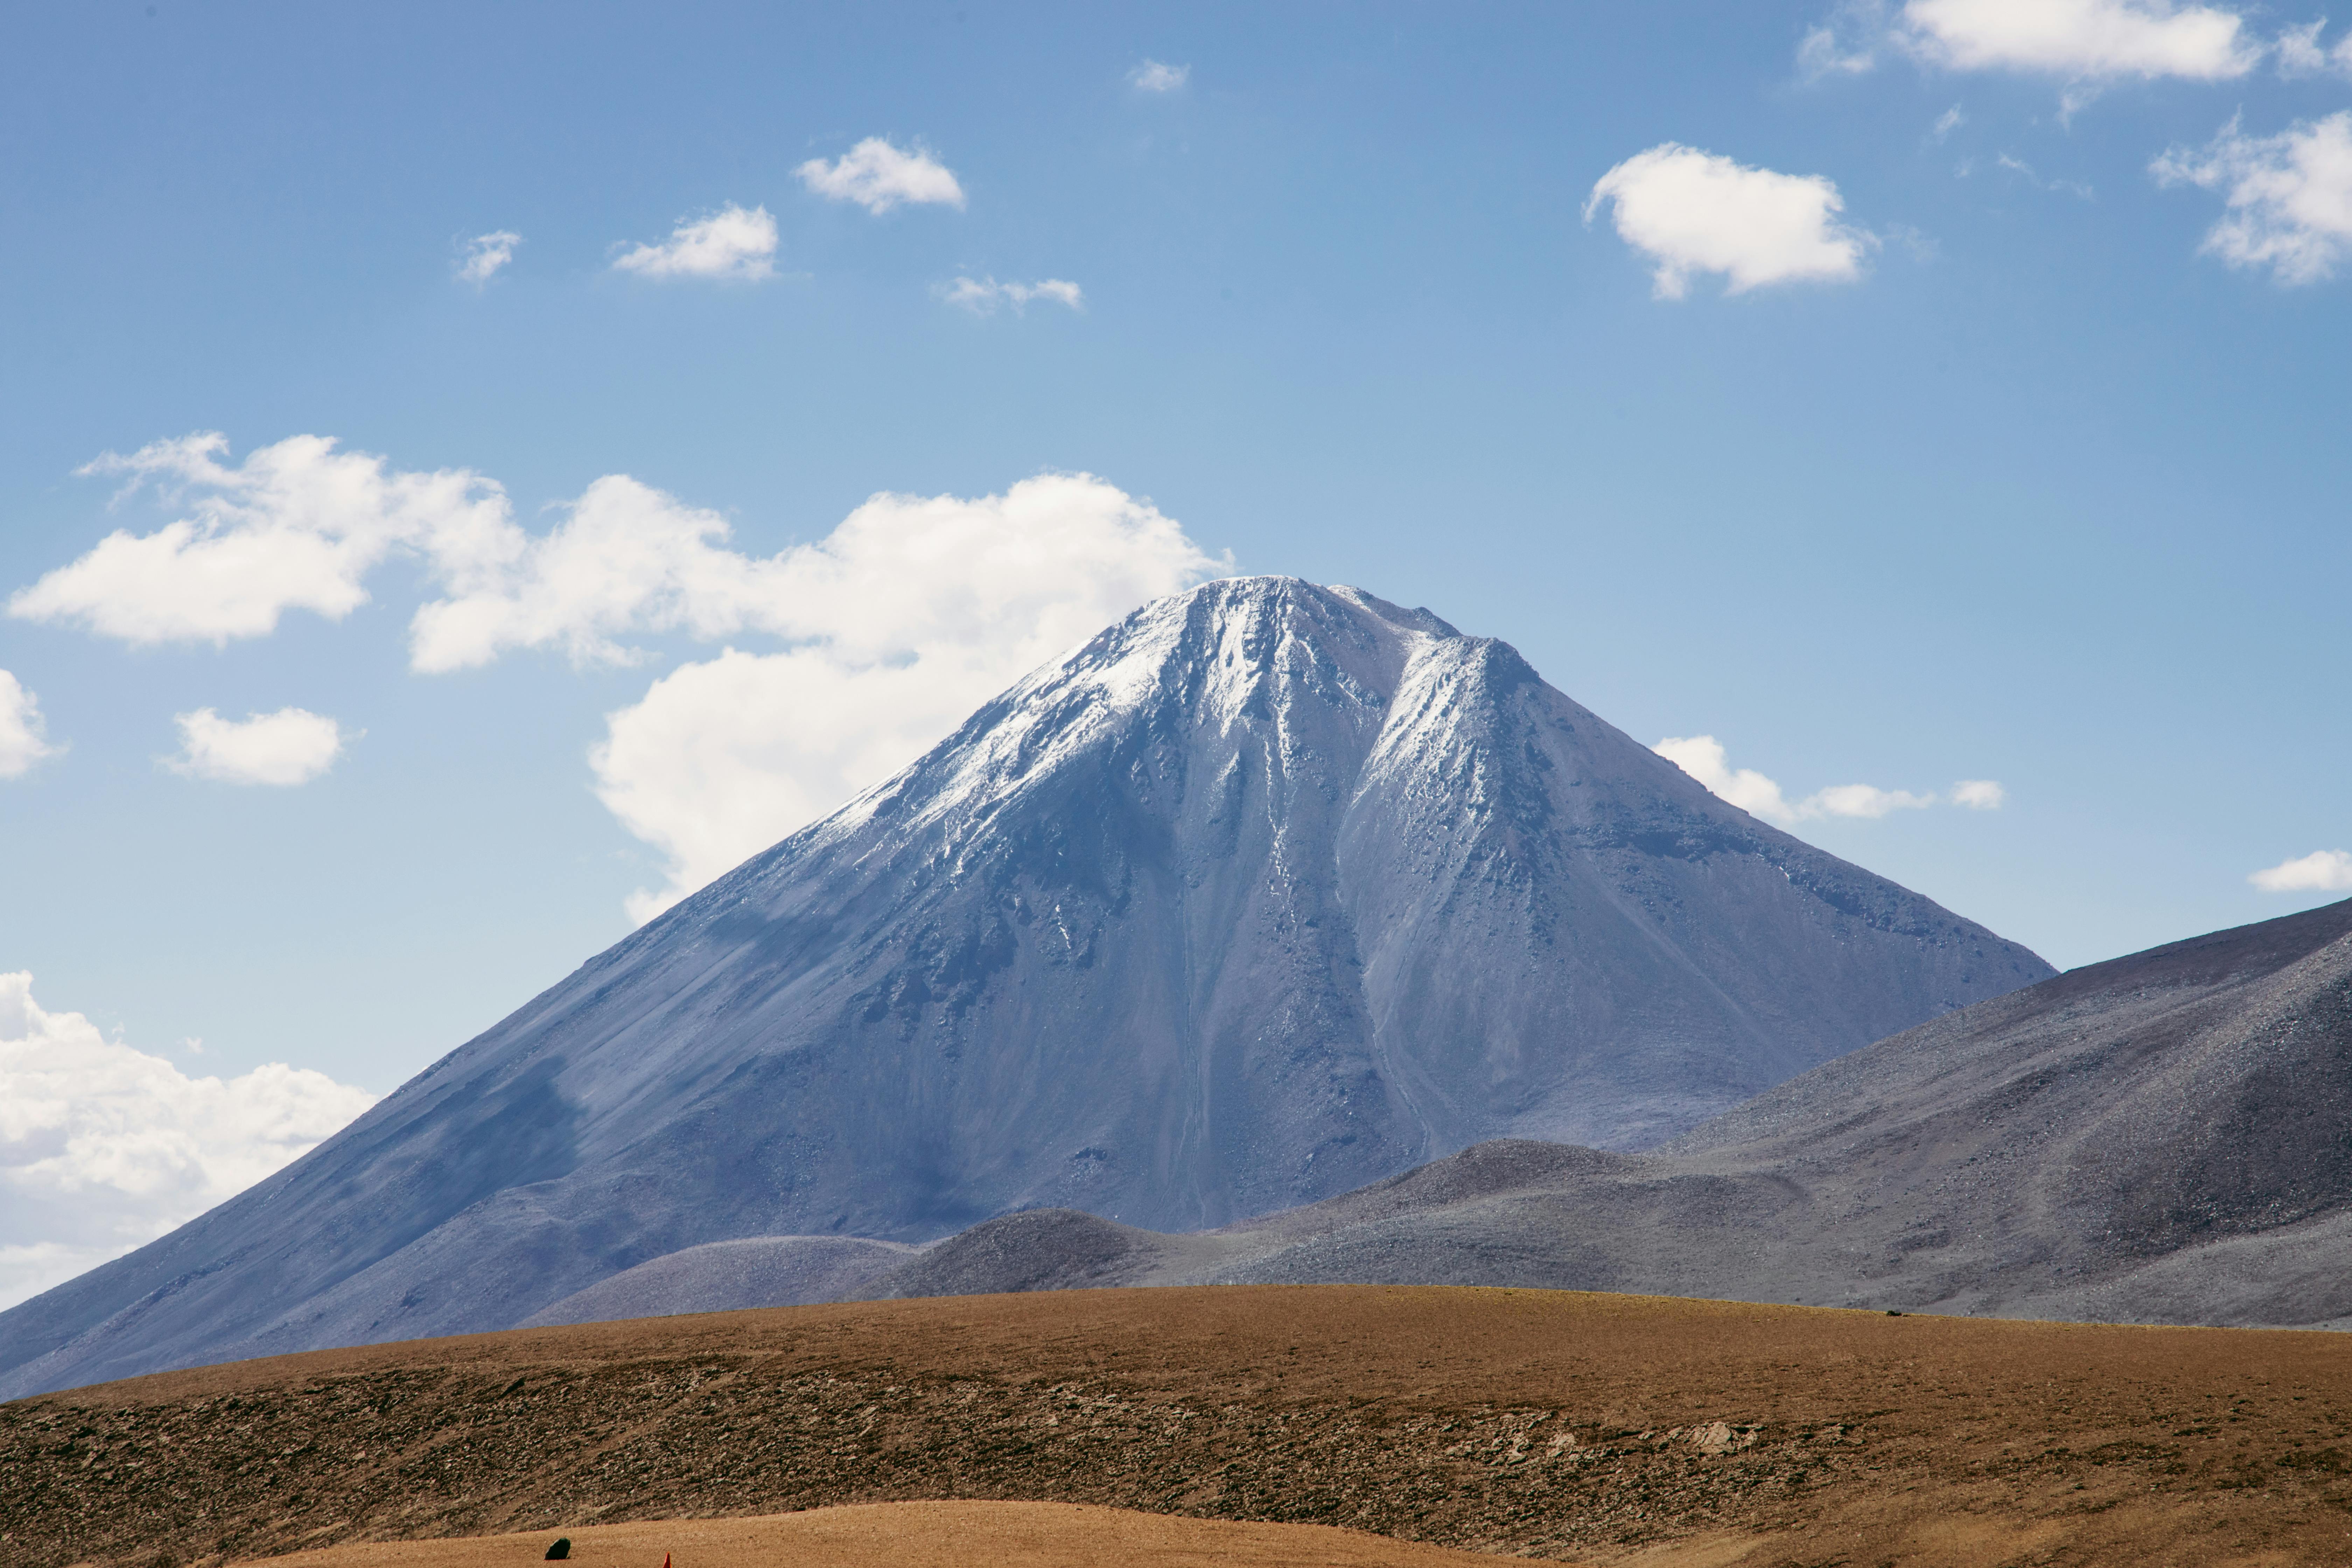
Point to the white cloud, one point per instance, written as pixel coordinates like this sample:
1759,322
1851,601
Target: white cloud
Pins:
911,614
1692,212
731,242
2287,198
2321,871
2082,40
295,526
103,1147
1980,795
878,176
982,296
628,558
1860,800
485,254
1152,76
291,746
1703,757
24,738
1951,120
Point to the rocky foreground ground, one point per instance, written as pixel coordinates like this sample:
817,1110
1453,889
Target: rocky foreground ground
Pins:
1559,1425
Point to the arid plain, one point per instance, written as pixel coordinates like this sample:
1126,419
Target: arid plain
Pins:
1579,1427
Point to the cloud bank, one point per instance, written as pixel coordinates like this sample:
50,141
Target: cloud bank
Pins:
2321,871
1703,757
731,242
1692,212
291,746
982,296
909,615
2286,199
878,176
103,1147
24,738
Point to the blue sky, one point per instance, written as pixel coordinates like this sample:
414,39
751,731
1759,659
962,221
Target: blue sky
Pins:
1998,434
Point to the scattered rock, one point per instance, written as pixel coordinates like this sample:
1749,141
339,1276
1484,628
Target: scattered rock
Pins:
1722,1438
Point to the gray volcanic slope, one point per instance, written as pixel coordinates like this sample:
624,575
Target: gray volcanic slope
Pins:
1268,891
2164,1138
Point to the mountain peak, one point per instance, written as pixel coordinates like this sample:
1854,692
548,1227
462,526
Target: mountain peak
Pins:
1228,652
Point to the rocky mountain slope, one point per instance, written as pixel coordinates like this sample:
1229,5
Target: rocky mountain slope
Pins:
1268,891
2163,1138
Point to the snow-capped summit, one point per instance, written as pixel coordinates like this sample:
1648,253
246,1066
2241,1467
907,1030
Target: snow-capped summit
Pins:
1267,891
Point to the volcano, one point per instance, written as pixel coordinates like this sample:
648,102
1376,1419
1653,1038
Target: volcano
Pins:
1268,891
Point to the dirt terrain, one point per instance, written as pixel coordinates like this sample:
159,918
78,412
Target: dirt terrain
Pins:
1583,1427
918,1535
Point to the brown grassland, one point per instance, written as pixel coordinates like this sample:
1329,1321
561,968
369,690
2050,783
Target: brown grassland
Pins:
1593,1428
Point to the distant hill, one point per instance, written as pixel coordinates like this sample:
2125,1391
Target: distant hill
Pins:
2165,1138
1268,891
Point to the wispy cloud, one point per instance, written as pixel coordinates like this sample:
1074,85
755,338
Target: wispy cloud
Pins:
984,296
2286,199
1703,757
731,242
2321,871
1845,43
486,255
2026,172
1153,76
2300,53
1692,212
291,746
880,177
